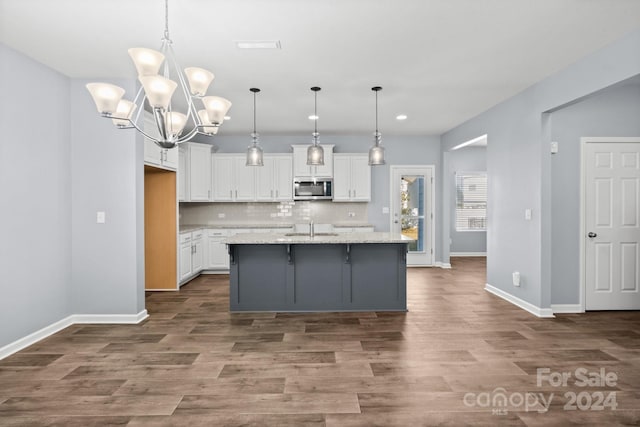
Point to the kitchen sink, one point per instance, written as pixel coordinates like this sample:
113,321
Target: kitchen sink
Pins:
307,234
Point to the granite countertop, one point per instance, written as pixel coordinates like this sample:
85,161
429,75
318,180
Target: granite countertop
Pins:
320,238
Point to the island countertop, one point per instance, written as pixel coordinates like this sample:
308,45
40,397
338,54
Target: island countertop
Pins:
318,238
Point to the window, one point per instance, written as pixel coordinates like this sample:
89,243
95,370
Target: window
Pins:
471,201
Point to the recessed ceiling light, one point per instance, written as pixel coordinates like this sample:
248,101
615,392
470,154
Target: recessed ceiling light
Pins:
257,44
401,117
227,117
313,117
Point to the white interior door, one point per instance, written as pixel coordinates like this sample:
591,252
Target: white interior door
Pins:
612,225
412,210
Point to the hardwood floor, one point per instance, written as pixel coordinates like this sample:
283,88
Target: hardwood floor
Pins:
446,362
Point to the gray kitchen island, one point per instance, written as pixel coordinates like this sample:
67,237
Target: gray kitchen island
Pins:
326,272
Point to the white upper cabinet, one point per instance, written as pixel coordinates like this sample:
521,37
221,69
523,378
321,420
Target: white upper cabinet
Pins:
153,154
352,178
274,180
302,170
199,172
232,180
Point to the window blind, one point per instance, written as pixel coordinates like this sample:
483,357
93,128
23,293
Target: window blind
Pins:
471,201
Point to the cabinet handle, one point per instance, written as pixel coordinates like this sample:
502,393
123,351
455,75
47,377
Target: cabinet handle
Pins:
208,194
236,194
349,193
354,194
231,194
272,194
277,194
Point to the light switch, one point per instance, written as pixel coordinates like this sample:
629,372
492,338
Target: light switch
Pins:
527,214
385,210
554,147
101,217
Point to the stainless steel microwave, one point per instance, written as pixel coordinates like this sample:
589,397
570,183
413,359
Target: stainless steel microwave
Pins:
313,189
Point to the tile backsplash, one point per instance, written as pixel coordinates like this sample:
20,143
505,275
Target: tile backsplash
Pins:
276,213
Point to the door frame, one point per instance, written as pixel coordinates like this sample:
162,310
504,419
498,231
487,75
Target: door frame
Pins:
583,208
429,209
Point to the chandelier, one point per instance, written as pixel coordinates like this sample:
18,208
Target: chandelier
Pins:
157,90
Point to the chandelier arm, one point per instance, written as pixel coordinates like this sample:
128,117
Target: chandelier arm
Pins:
146,135
191,109
190,135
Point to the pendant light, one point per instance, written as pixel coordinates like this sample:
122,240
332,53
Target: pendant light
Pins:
315,153
376,153
254,152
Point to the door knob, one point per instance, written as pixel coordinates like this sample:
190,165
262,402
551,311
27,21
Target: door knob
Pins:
592,234
396,221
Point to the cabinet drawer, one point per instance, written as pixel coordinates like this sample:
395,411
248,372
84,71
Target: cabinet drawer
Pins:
185,237
196,235
217,233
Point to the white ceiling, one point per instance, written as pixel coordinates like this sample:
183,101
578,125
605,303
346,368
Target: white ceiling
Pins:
441,62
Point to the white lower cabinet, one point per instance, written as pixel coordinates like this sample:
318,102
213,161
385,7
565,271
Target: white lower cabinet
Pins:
218,256
192,254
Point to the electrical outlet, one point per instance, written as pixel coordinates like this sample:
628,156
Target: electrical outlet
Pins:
101,217
221,215
385,210
351,214
516,279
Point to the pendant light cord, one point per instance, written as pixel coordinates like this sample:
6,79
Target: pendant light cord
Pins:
315,110
254,112
376,111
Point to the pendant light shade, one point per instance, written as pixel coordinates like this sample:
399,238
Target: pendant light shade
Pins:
254,151
315,152
376,152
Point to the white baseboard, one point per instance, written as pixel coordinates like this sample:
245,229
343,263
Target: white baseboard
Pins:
567,308
162,290
443,264
535,310
47,331
467,254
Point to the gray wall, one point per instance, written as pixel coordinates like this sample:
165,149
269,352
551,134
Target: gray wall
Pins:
107,175
468,159
613,112
58,166
35,177
400,150
519,166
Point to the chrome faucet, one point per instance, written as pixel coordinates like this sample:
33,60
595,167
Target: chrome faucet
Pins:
311,228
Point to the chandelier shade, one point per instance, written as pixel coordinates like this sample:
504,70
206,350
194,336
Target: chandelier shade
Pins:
217,107
156,95
199,80
146,61
106,97
315,152
123,113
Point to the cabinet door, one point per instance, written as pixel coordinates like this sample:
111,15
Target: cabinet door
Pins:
264,180
183,194
300,168
360,178
245,180
185,260
200,172
152,153
283,178
218,255
222,179
342,178
197,258
170,158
